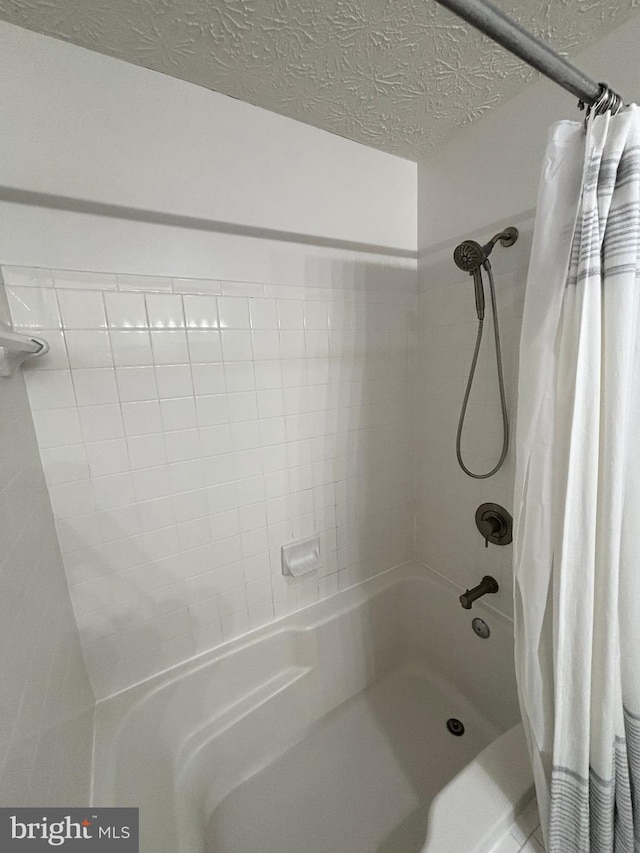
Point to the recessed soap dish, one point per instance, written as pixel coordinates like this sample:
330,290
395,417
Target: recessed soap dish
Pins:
301,557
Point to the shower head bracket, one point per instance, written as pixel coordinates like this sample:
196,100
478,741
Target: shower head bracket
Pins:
508,236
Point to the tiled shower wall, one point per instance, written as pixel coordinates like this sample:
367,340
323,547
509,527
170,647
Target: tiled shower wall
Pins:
188,428
447,539
46,724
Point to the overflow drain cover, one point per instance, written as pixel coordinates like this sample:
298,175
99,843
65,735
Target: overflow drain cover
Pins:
481,628
455,727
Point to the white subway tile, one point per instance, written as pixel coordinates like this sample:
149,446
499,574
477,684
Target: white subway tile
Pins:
212,410
239,376
165,311
252,517
189,506
223,524
71,499
268,374
204,346
50,389
219,469
290,314
107,457
232,602
27,277
245,435
81,309
215,439
88,349
196,285
222,498
257,568
263,313
142,418
178,413
169,347
316,343
131,349
145,282
200,589
125,310
201,312
95,386
278,443
84,280
64,464
261,614
193,534
57,427
136,384
236,345
175,380
250,490
101,422
207,379
151,483
227,552
113,491
248,463
266,344
33,308
146,451
242,406
187,476
235,625
154,513
247,289
292,343
182,445
233,313
315,315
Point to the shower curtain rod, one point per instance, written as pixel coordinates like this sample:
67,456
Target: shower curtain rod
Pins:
506,32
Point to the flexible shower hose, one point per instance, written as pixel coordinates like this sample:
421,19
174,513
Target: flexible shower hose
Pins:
503,402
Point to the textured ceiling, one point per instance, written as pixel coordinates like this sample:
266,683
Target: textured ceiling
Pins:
399,75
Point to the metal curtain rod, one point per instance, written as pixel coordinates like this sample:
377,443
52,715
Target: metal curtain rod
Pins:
506,32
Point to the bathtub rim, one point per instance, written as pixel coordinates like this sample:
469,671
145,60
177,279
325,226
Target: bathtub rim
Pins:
113,711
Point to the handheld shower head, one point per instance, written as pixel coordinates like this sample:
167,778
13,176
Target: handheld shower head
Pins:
469,255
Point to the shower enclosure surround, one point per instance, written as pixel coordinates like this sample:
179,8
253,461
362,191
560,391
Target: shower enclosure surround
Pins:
447,539
326,731
188,428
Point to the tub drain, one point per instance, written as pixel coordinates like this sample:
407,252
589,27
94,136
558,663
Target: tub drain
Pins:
455,727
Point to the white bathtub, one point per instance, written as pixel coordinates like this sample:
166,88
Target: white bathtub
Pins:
190,746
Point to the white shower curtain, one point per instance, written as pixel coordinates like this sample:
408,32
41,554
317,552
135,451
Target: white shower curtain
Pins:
577,499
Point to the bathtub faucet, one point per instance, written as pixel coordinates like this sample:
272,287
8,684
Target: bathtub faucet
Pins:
486,585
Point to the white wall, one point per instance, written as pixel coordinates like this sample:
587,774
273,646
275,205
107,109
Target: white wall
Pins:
480,181
491,168
96,130
185,439
46,725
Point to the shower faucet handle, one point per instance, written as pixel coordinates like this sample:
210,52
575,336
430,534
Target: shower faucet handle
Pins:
494,523
491,524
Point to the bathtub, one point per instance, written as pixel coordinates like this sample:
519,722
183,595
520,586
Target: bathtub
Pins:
326,731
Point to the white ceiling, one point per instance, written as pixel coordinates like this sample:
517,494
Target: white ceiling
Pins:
398,75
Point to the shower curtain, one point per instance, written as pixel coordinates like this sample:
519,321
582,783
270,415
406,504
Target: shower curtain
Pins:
577,499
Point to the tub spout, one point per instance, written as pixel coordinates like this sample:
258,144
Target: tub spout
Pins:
486,585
